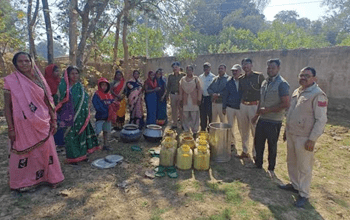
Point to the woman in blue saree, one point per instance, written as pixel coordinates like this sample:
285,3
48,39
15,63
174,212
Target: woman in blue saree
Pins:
161,104
151,89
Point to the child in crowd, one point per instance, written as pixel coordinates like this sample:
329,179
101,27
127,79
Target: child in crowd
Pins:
103,102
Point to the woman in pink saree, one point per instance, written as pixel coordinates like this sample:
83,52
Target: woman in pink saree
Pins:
31,121
134,93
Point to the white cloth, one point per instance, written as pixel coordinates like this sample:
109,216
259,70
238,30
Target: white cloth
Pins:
217,112
247,113
232,115
191,121
205,81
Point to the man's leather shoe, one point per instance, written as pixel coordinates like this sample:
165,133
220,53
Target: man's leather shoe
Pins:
301,201
288,187
243,155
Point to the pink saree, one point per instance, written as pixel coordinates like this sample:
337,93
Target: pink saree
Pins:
33,157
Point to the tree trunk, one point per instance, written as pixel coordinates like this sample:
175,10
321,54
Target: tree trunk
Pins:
73,17
50,56
88,26
125,44
116,41
31,22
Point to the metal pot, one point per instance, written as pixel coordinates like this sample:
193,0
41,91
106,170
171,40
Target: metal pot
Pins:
153,133
220,142
130,133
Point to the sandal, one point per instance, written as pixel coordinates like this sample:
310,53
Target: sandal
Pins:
160,171
153,153
171,172
136,148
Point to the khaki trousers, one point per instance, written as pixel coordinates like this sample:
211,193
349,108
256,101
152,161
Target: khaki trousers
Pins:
299,163
175,108
232,115
217,112
247,113
191,121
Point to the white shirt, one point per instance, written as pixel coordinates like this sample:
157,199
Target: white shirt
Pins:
205,81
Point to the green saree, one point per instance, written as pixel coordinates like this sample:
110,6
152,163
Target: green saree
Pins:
80,138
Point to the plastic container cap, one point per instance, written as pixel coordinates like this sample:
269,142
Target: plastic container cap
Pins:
202,142
185,148
202,148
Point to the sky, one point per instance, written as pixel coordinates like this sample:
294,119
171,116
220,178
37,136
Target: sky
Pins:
310,9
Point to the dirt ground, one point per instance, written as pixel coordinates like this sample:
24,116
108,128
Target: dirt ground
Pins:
227,191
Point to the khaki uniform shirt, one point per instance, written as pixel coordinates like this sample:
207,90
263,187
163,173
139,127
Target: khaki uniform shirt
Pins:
307,115
173,83
249,86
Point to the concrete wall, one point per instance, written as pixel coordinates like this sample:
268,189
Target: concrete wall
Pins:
332,66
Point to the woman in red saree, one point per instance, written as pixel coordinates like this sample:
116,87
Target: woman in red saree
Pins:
117,91
31,120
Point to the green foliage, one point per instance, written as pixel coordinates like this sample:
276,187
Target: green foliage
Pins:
346,41
240,39
136,40
9,35
288,36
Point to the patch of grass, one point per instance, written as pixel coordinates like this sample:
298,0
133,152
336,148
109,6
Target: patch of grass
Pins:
132,156
232,193
278,211
346,141
265,214
144,204
91,190
219,169
224,215
196,184
179,187
341,203
197,196
157,212
243,213
213,187
233,196
23,202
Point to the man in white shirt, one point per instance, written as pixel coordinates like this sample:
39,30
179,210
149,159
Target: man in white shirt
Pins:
205,107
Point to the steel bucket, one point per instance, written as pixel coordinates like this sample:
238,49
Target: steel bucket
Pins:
220,142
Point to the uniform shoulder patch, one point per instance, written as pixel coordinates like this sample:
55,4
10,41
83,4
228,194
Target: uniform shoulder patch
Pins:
322,103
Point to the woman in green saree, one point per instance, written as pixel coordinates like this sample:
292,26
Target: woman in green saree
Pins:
74,115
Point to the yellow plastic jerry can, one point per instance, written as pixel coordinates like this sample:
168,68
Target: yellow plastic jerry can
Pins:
184,157
201,158
168,152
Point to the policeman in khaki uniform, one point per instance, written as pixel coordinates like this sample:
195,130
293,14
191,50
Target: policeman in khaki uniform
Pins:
249,86
306,119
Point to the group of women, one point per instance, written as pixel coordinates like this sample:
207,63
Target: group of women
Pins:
154,89
35,124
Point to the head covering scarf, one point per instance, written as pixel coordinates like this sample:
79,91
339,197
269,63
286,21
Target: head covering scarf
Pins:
120,86
51,80
103,94
151,83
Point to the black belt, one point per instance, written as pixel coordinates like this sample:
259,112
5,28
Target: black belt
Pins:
232,106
